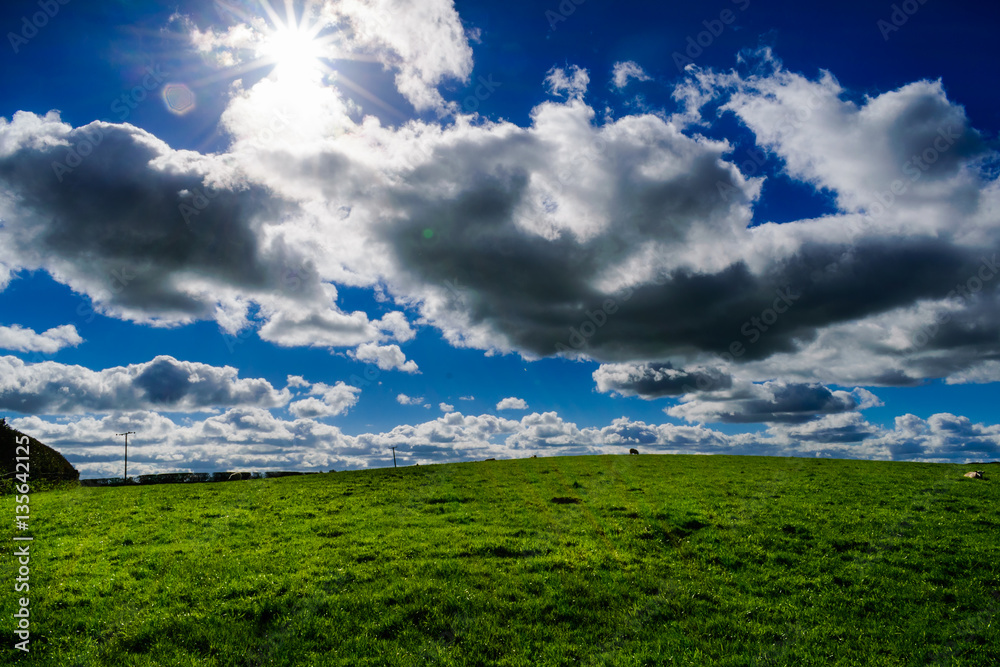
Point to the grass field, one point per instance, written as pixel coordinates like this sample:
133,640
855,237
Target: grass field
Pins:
602,560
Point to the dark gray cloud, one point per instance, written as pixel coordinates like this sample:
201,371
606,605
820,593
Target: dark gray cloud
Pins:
115,213
771,402
538,292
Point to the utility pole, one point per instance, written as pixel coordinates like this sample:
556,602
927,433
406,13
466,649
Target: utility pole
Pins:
126,434
393,456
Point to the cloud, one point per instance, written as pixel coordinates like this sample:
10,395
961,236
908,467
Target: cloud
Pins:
298,382
771,402
201,242
161,384
424,45
913,135
245,438
242,438
981,373
838,428
548,200
942,437
623,71
512,403
572,83
654,380
21,339
623,240
466,398
396,325
318,328
386,357
446,408
403,399
333,400
705,291
451,435
320,323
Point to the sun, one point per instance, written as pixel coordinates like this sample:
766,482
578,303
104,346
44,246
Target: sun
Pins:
296,47
296,53
299,89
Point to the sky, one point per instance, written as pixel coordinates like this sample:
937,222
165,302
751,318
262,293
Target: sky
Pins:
295,236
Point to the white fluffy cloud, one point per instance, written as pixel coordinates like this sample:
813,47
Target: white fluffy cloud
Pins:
238,439
297,382
571,83
386,357
21,339
403,399
446,408
629,69
512,403
942,437
822,137
333,400
161,384
253,438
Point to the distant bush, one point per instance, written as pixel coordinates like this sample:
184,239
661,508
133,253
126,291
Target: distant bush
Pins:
47,467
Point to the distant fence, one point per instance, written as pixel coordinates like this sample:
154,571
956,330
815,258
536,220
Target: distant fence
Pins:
41,475
189,478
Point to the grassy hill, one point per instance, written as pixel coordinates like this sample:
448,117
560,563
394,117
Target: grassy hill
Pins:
46,464
603,560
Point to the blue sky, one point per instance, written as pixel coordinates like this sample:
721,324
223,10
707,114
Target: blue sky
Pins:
479,230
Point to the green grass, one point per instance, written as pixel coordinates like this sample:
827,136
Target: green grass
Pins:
603,560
